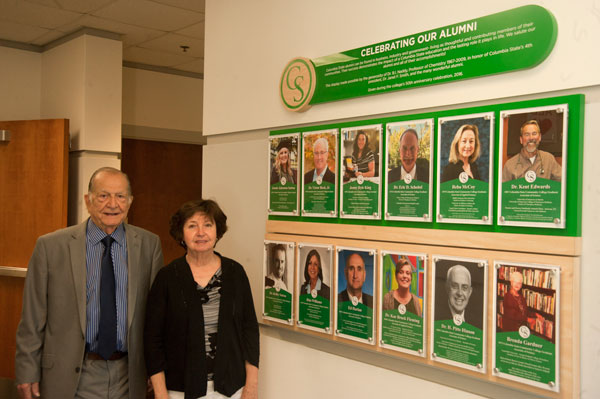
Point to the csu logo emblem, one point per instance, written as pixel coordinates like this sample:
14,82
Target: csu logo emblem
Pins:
297,85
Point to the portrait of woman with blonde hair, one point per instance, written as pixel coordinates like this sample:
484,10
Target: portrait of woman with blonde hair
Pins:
464,151
282,168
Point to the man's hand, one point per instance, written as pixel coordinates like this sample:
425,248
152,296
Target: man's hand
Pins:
29,390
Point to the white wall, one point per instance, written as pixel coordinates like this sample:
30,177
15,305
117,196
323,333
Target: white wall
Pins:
590,270
81,81
243,65
20,84
162,101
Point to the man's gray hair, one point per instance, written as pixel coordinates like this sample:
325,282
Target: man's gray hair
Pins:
457,268
321,140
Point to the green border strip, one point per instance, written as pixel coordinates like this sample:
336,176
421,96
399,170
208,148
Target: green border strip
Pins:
574,168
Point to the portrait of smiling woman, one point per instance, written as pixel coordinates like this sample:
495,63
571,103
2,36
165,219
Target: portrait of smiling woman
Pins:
313,276
201,335
402,295
281,169
464,151
362,156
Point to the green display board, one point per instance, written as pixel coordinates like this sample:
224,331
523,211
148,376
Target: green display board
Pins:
571,186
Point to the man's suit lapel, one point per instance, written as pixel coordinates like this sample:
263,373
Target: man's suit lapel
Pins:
133,270
77,251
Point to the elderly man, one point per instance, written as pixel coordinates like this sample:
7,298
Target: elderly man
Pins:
321,171
530,158
276,276
81,328
356,274
458,289
417,168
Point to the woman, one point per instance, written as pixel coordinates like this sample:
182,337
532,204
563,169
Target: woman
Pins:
402,294
362,156
313,276
464,151
282,167
515,305
201,332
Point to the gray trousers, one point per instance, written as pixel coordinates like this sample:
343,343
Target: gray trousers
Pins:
103,379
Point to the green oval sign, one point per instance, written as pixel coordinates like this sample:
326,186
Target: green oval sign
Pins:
503,42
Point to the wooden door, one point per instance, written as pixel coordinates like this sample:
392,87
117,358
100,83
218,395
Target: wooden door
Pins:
163,176
33,193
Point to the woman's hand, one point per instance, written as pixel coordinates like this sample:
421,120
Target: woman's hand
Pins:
159,385
250,390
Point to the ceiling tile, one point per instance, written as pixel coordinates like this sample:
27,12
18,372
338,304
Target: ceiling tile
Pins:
152,31
86,6
19,32
35,14
47,3
194,5
152,57
196,31
194,66
149,14
73,5
130,34
171,42
48,37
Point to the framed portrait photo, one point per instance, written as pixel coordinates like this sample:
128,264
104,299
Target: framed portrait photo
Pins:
278,282
315,287
360,169
526,324
458,332
319,169
532,163
402,302
465,169
355,273
283,174
408,170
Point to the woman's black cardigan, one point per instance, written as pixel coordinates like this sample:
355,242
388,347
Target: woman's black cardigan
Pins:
174,330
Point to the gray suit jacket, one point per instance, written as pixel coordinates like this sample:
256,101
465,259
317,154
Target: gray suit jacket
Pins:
51,333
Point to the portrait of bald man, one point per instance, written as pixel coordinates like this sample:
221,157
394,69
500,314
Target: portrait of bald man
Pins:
355,273
459,292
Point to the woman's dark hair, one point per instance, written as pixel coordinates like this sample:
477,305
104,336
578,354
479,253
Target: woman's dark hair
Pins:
207,207
355,149
313,252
